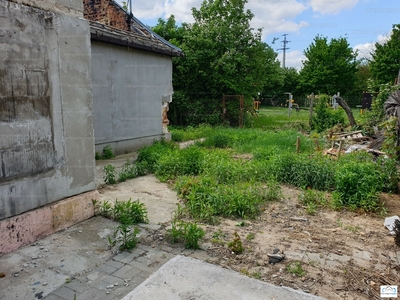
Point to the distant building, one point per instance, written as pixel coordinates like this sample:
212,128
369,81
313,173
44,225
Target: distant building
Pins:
131,78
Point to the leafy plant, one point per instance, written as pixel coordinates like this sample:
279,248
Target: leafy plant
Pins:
108,152
149,156
250,236
104,209
236,244
188,233
130,212
187,161
126,235
358,182
109,177
295,268
127,213
324,117
312,199
128,171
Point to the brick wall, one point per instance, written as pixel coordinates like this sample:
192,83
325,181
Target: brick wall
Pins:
106,12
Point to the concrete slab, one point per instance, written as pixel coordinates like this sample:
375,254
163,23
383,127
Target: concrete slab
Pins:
188,278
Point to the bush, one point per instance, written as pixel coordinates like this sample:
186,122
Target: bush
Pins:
149,156
188,233
108,152
109,177
358,184
188,161
303,170
324,117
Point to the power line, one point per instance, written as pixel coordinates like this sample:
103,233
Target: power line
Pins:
284,48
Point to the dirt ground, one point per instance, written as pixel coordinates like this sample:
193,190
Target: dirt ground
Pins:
344,255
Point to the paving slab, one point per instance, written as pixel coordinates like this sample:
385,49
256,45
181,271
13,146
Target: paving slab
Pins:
183,278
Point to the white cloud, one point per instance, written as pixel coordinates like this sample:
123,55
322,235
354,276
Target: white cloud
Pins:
365,50
331,6
181,9
293,59
276,16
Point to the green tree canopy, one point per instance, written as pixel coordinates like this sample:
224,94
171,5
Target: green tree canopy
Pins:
385,63
330,67
223,55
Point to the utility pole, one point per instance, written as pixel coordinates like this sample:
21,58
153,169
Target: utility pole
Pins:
284,48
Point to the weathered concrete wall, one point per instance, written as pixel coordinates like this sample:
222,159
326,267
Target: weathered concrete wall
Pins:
129,89
46,117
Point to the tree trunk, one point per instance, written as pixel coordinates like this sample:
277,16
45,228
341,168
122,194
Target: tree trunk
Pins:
348,111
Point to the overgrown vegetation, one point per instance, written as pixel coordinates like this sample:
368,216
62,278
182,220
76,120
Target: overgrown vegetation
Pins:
127,213
234,173
107,153
186,232
325,117
295,268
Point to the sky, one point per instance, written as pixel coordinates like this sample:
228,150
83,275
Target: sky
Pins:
362,22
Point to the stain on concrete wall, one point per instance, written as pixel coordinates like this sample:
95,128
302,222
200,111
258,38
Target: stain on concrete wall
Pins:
46,116
129,87
26,146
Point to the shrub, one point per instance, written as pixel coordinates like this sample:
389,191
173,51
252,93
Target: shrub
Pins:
149,156
130,212
188,233
188,161
358,184
108,152
303,170
109,177
324,117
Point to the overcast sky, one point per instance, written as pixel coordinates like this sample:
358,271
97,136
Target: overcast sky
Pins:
362,22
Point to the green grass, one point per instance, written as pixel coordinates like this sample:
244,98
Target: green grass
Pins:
235,172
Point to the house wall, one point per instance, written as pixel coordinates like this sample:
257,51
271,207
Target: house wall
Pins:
130,88
46,117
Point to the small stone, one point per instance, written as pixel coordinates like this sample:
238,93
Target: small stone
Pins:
41,248
68,237
80,231
274,275
25,265
16,274
34,257
44,283
107,292
116,284
372,283
110,286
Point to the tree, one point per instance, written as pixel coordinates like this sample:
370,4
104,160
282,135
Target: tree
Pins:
223,55
329,67
169,30
385,63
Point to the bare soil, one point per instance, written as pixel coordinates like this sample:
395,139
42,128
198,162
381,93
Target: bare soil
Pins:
344,255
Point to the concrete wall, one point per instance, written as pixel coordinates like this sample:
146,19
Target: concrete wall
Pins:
46,117
129,89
